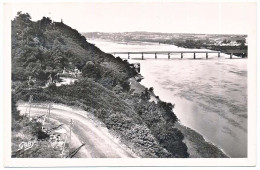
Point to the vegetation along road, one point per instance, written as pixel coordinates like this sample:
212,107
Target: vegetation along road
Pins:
99,143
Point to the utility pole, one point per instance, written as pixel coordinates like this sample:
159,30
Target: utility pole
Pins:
49,112
71,123
30,101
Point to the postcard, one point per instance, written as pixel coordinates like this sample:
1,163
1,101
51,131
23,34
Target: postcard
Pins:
129,83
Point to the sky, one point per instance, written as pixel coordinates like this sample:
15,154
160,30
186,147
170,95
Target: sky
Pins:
163,16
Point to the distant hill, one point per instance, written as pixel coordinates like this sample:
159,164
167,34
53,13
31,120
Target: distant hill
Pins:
172,38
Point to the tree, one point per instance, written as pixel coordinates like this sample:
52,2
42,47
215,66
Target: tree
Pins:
241,42
23,26
91,70
15,112
226,41
151,89
44,22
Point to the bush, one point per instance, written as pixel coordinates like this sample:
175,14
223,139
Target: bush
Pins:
52,86
171,138
118,121
145,95
151,89
15,113
117,89
125,85
91,70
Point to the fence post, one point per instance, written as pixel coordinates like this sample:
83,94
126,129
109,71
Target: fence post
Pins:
62,152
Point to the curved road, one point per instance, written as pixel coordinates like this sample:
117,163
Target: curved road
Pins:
99,143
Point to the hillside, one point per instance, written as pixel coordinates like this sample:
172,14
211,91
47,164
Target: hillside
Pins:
43,50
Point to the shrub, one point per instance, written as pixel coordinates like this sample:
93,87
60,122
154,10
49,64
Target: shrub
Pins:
171,138
151,89
145,95
91,70
117,89
125,85
15,113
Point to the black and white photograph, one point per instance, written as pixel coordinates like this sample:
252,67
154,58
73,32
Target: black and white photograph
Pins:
123,80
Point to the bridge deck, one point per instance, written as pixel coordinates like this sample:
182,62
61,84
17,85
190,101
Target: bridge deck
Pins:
231,52
162,52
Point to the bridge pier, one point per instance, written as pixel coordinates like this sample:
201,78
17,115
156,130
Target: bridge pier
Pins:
194,55
155,56
181,55
128,55
169,56
142,56
207,56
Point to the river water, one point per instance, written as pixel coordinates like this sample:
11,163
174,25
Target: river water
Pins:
210,96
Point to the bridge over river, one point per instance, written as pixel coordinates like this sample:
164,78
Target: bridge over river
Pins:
194,52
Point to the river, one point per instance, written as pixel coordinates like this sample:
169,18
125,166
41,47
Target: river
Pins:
210,96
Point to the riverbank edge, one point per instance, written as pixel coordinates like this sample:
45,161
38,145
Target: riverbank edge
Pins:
198,147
